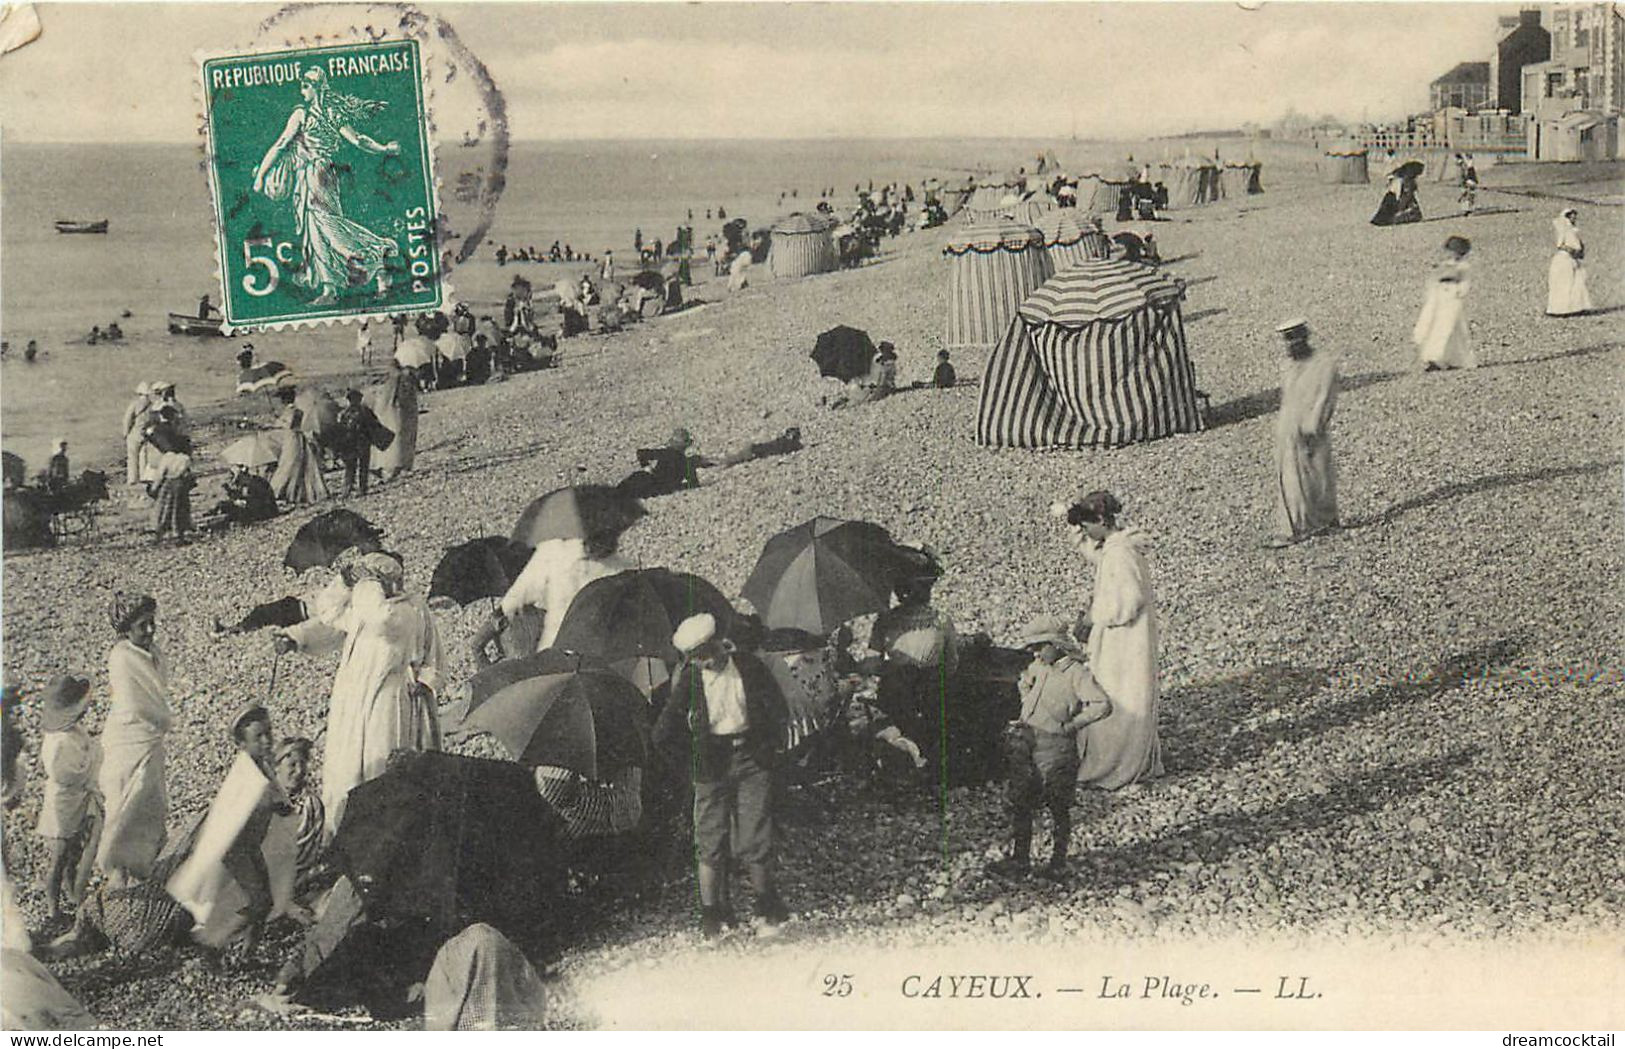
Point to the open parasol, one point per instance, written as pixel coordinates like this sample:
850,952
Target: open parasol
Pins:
824,572
256,451
843,353
576,512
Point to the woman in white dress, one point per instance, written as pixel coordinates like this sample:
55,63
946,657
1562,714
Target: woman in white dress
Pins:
1123,747
1566,293
383,697
1441,330
556,572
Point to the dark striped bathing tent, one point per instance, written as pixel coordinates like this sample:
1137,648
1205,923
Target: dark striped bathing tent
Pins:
993,267
1190,184
1100,196
1345,167
1095,358
1069,241
1031,210
987,203
1240,180
802,246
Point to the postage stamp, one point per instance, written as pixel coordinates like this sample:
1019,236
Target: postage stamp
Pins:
321,165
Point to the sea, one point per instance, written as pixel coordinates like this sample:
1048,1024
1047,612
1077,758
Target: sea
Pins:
158,254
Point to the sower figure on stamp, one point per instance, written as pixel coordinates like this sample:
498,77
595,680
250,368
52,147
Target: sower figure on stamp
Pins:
720,724
339,253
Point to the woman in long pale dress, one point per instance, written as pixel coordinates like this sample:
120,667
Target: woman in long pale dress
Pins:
1566,292
1124,746
298,479
395,402
1440,333
389,667
133,758
340,254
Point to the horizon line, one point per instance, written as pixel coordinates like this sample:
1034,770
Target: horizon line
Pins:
14,139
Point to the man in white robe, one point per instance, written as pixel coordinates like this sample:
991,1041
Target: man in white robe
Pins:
1306,478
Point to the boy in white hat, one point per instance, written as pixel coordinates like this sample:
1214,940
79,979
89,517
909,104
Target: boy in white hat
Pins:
71,811
719,724
1059,698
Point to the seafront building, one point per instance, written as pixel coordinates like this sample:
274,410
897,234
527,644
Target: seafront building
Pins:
1553,89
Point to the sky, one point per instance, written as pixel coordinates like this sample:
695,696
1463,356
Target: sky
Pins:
125,72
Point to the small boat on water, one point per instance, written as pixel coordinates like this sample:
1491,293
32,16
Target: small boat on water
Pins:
76,226
186,324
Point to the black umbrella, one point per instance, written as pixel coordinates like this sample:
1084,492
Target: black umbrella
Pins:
484,567
633,614
451,839
582,718
576,513
843,353
826,571
651,280
323,538
1409,169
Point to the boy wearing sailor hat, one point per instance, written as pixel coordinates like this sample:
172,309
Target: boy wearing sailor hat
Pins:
720,723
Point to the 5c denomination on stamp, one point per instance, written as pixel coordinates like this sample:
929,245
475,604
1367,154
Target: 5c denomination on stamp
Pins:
321,166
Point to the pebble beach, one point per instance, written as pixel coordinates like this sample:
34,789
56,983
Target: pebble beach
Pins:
1385,732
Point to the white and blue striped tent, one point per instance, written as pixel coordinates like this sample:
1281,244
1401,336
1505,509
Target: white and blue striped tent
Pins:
1095,358
1069,241
994,267
801,246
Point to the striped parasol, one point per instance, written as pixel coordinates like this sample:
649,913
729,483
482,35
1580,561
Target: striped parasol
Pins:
1099,289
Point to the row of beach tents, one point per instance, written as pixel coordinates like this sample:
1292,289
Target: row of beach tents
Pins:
1352,165
1189,185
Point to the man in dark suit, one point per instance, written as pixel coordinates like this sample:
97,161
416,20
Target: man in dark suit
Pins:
722,724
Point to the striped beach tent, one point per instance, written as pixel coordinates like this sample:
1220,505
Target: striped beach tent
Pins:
1101,196
1178,178
993,267
1346,167
1069,240
1031,210
1239,180
1095,358
987,203
1209,184
801,246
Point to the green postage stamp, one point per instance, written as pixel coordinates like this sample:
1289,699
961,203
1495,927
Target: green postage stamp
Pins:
320,162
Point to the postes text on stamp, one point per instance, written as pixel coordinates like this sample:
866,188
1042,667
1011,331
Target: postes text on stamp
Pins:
320,162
